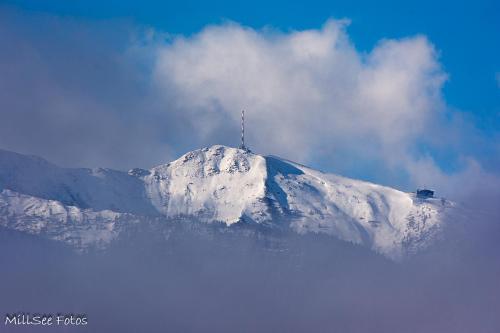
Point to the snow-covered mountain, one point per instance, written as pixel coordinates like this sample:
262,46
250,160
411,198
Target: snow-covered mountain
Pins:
87,207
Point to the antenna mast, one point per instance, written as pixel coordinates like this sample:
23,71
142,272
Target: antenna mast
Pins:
242,146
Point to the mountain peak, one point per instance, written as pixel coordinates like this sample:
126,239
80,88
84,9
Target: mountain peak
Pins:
217,183
222,184
228,185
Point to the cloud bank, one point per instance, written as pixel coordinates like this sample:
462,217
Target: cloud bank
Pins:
114,94
306,90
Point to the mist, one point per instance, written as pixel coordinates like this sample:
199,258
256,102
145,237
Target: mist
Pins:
191,277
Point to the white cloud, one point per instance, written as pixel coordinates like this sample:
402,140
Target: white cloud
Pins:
307,92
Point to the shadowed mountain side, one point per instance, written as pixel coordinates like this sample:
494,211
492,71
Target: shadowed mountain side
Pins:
276,167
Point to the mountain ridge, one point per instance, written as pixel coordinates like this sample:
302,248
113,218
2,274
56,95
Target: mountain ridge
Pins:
215,184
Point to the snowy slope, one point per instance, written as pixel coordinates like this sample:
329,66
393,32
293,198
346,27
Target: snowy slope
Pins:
78,227
216,184
212,184
387,220
98,189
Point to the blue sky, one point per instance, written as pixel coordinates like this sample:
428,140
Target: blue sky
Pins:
458,69
465,33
